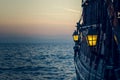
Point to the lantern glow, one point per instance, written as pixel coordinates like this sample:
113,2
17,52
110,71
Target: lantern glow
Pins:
92,40
75,37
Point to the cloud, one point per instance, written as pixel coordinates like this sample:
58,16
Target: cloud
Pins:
71,10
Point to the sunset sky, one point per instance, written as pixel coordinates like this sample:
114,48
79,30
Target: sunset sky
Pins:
39,17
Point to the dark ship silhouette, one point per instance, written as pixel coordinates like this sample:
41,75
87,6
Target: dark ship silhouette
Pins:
97,41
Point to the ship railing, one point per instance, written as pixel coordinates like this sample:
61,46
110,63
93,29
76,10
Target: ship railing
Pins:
84,71
90,26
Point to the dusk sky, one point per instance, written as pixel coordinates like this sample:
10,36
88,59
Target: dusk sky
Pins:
39,17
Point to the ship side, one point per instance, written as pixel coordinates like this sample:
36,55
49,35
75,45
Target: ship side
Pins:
97,41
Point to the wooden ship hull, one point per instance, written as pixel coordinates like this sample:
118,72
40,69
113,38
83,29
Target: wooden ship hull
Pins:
98,58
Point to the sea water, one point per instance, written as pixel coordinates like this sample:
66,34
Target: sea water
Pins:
44,60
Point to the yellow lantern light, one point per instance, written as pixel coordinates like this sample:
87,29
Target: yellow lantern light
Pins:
92,40
92,37
75,36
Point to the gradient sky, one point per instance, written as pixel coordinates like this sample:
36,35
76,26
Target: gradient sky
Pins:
39,17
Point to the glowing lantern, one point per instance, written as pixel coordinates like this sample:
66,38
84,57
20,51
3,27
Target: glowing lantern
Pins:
92,38
75,36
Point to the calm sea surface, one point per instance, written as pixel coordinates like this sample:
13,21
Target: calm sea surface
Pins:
46,60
